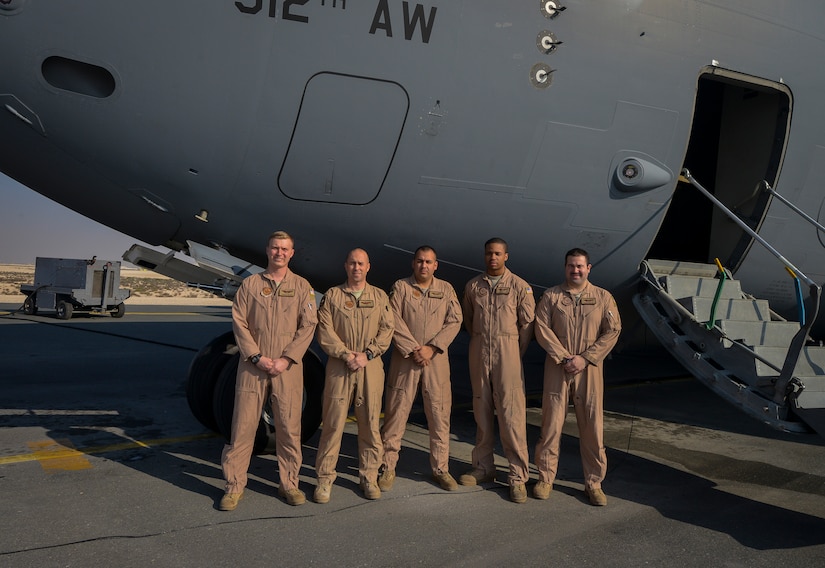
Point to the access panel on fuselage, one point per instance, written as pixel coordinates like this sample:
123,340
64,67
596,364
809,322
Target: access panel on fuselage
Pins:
344,140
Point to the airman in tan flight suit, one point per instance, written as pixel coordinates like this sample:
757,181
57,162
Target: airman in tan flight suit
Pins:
427,319
498,313
355,327
274,318
578,324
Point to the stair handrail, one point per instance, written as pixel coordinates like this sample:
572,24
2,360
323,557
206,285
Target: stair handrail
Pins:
650,276
735,218
798,342
794,208
723,276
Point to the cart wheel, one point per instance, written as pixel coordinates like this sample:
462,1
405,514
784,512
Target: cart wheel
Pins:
119,311
29,307
64,310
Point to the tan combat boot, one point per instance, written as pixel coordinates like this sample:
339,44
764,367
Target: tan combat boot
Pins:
229,502
322,492
386,479
445,481
476,477
542,490
518,493
596,496
294,496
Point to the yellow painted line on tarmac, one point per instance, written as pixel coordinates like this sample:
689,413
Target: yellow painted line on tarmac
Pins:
61,455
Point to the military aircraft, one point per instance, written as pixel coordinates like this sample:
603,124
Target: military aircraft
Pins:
664,134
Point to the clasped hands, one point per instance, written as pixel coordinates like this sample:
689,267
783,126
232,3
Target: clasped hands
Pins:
273,367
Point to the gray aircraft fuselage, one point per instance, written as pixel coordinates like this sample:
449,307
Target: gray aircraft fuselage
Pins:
387,124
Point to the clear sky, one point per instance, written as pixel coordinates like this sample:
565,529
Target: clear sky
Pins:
33,226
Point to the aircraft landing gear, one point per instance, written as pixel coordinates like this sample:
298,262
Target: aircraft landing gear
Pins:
210,392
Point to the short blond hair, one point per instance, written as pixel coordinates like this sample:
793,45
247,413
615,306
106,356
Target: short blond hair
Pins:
282,236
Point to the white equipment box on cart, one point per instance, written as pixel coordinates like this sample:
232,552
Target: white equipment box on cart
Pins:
69,285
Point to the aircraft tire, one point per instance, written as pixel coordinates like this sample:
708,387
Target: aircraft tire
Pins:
223,405
224,402
119,311
203,376
314,379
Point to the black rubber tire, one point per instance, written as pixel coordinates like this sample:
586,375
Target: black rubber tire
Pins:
223,406
64,310
314,380
119,311
203,376
224,402
29,306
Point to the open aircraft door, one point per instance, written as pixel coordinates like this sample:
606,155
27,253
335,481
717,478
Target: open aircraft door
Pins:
731,341
738,139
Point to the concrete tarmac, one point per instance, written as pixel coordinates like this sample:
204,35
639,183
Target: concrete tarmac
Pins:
102,464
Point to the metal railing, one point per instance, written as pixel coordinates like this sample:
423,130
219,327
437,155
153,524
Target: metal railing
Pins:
809,306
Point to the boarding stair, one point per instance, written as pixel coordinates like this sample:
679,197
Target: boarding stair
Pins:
734,343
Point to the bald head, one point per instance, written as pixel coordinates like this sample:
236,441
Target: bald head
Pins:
357,266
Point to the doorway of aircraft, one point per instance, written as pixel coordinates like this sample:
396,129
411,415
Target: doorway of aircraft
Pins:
738,138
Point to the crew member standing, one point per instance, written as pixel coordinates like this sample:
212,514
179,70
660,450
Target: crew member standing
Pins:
355,328
499,309
427,319
274,318
578,324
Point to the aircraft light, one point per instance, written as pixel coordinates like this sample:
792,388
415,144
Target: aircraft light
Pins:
202,215
634,174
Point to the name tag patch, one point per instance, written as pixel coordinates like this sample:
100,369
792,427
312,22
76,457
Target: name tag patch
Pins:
502,290
435,294
366,303
588,301
286,293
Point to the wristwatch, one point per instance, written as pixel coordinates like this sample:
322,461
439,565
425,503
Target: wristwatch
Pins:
370,356
255,358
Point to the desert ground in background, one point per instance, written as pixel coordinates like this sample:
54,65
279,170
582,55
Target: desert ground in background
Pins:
147,287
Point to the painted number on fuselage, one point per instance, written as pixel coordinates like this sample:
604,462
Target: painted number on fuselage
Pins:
382,20
286,9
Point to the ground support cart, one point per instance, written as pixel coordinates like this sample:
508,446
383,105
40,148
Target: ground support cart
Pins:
71,285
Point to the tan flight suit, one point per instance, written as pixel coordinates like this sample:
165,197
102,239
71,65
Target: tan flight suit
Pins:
432,317
347,325
564,329
275,321
500,322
